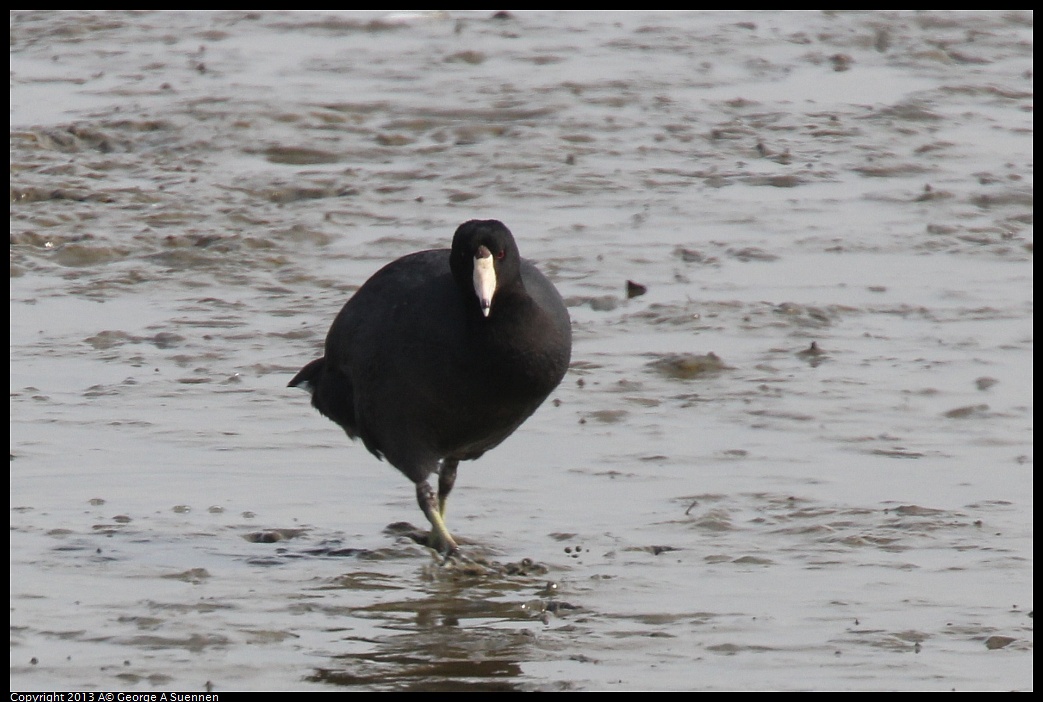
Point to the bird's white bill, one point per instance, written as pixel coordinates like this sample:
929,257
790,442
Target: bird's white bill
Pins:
484,282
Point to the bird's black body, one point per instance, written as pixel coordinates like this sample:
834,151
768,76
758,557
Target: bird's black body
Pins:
416,368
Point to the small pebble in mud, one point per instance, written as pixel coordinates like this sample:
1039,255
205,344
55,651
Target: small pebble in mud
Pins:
635,289
984,383
693,256
272,536
264,537
556,607
813,354
968,411
994,642
812,350
686,366
524,567
841,62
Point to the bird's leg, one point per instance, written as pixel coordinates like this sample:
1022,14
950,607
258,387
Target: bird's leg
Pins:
440,539
446,478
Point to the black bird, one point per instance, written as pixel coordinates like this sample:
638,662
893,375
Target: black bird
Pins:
440,356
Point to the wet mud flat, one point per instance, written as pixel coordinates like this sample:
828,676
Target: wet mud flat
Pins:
795,452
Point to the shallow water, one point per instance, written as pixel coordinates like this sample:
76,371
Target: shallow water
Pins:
837,206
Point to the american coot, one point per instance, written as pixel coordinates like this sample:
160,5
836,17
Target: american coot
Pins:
440,356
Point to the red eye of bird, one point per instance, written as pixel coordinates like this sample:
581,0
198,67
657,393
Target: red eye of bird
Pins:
500,255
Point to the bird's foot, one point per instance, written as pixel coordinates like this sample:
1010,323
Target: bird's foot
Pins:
439,539
443,543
